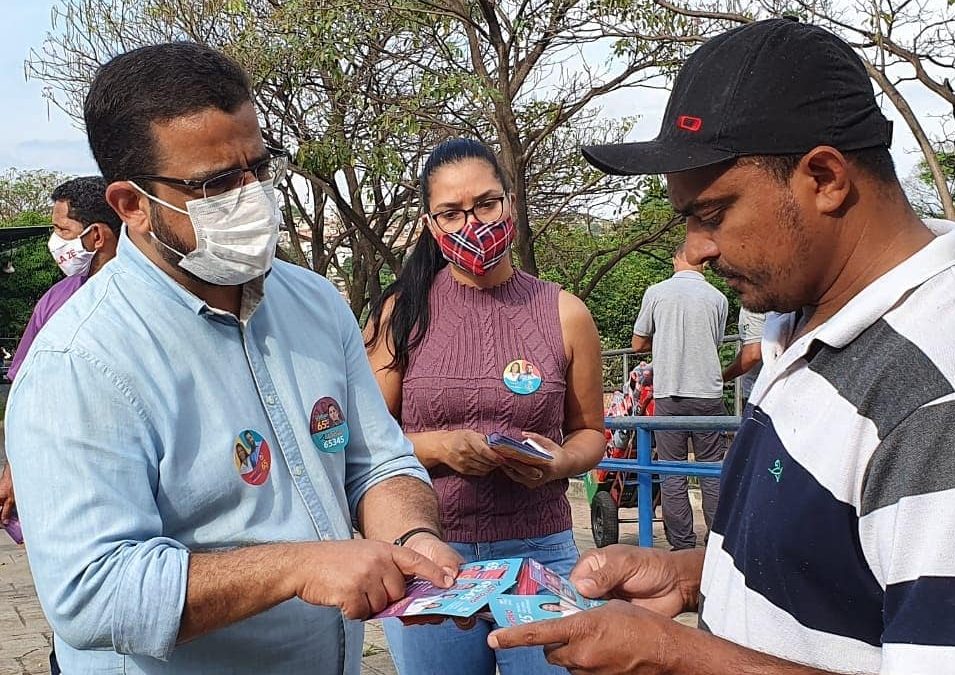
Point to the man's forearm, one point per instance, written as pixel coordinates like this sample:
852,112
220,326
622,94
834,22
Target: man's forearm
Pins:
695,652
226,587
733,370
397,505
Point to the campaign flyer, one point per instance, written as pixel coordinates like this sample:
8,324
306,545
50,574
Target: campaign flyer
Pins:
504,570
480,586
13,529
526,452
463,599
513,610
556,584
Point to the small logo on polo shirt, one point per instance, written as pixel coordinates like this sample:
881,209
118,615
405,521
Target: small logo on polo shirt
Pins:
777,470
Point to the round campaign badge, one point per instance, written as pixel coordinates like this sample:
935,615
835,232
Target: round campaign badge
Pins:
328,426
252,457
522,377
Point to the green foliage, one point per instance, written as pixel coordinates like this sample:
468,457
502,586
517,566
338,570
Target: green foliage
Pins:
22,191
947,162
564,257
27,218
25,200
34,273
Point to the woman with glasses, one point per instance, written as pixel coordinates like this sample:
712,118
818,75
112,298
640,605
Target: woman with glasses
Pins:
446,341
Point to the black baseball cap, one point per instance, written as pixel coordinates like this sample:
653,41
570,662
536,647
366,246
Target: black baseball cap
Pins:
774,87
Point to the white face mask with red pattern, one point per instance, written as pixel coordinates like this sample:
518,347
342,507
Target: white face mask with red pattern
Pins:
70,255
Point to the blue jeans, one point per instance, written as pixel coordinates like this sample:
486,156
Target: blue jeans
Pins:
445,648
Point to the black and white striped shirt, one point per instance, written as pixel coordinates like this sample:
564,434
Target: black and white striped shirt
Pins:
834,541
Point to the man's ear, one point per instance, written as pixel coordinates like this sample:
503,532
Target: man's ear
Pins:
104,237
822,177
131,205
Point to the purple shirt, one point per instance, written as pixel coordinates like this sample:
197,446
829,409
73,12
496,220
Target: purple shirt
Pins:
51,301
456,380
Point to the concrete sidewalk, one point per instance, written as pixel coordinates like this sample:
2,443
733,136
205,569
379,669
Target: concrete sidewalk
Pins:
25,645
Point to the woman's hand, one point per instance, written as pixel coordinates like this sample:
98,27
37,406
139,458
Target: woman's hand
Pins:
534,476
467,452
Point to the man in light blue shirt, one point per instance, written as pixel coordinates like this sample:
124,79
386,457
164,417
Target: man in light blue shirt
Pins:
156,546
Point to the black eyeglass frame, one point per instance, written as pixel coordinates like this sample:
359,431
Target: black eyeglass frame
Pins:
500,201
194,184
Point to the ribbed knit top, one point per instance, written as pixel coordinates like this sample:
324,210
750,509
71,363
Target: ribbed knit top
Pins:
455,380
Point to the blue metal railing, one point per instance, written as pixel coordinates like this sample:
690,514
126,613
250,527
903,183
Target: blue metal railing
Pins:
645,466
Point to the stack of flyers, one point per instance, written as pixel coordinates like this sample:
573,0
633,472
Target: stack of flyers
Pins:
13,529
526,451
535,576
476,584
511,610
464,598
482,589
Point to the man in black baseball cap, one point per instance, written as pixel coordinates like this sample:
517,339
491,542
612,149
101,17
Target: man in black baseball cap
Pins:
831,547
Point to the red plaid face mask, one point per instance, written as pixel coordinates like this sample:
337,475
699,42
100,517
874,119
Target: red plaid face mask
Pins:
478,247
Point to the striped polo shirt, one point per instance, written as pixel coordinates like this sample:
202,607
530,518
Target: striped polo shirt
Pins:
834,541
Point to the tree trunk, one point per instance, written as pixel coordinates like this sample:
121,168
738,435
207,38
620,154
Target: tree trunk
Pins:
931,159
516,170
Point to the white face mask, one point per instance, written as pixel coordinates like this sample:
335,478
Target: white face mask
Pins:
236,234
70,255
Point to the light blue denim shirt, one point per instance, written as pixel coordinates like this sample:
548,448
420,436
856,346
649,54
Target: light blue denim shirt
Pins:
126,431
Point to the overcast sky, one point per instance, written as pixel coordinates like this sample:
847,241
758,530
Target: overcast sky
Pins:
35,135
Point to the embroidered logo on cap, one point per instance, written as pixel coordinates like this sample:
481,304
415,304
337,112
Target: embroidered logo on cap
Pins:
522,377
328,426
252,457
689,123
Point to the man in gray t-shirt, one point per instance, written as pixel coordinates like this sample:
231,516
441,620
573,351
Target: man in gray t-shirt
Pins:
682,321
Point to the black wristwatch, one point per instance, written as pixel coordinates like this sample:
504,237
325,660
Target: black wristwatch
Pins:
402,540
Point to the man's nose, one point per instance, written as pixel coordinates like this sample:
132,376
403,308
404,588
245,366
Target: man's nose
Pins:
700,247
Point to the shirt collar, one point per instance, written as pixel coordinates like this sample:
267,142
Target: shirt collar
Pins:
870,304
688,274
131,259
873,301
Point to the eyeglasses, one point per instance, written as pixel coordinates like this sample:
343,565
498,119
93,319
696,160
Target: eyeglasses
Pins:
485,211
273,169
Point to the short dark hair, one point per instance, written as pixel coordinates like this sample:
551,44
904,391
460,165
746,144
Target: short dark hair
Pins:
875,161
86,203
151,84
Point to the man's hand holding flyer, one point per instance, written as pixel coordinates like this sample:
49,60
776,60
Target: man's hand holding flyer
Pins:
506,591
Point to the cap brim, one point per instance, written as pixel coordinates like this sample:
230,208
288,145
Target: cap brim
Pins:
651,157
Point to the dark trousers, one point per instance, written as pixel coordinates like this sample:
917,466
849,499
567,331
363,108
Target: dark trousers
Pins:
672,445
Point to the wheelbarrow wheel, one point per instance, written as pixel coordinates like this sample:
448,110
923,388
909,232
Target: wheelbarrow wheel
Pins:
604,521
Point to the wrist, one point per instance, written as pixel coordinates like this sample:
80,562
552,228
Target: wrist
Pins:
295,559
689,572
428,447
417,533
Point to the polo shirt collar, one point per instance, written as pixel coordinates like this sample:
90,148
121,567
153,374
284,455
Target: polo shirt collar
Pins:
873,301
869,305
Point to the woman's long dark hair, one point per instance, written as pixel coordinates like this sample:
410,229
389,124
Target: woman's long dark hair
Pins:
410,314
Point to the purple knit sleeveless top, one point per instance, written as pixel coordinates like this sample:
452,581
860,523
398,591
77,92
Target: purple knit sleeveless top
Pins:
455,380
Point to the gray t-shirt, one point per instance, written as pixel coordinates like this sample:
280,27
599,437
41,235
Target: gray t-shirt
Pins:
686,317
750,331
